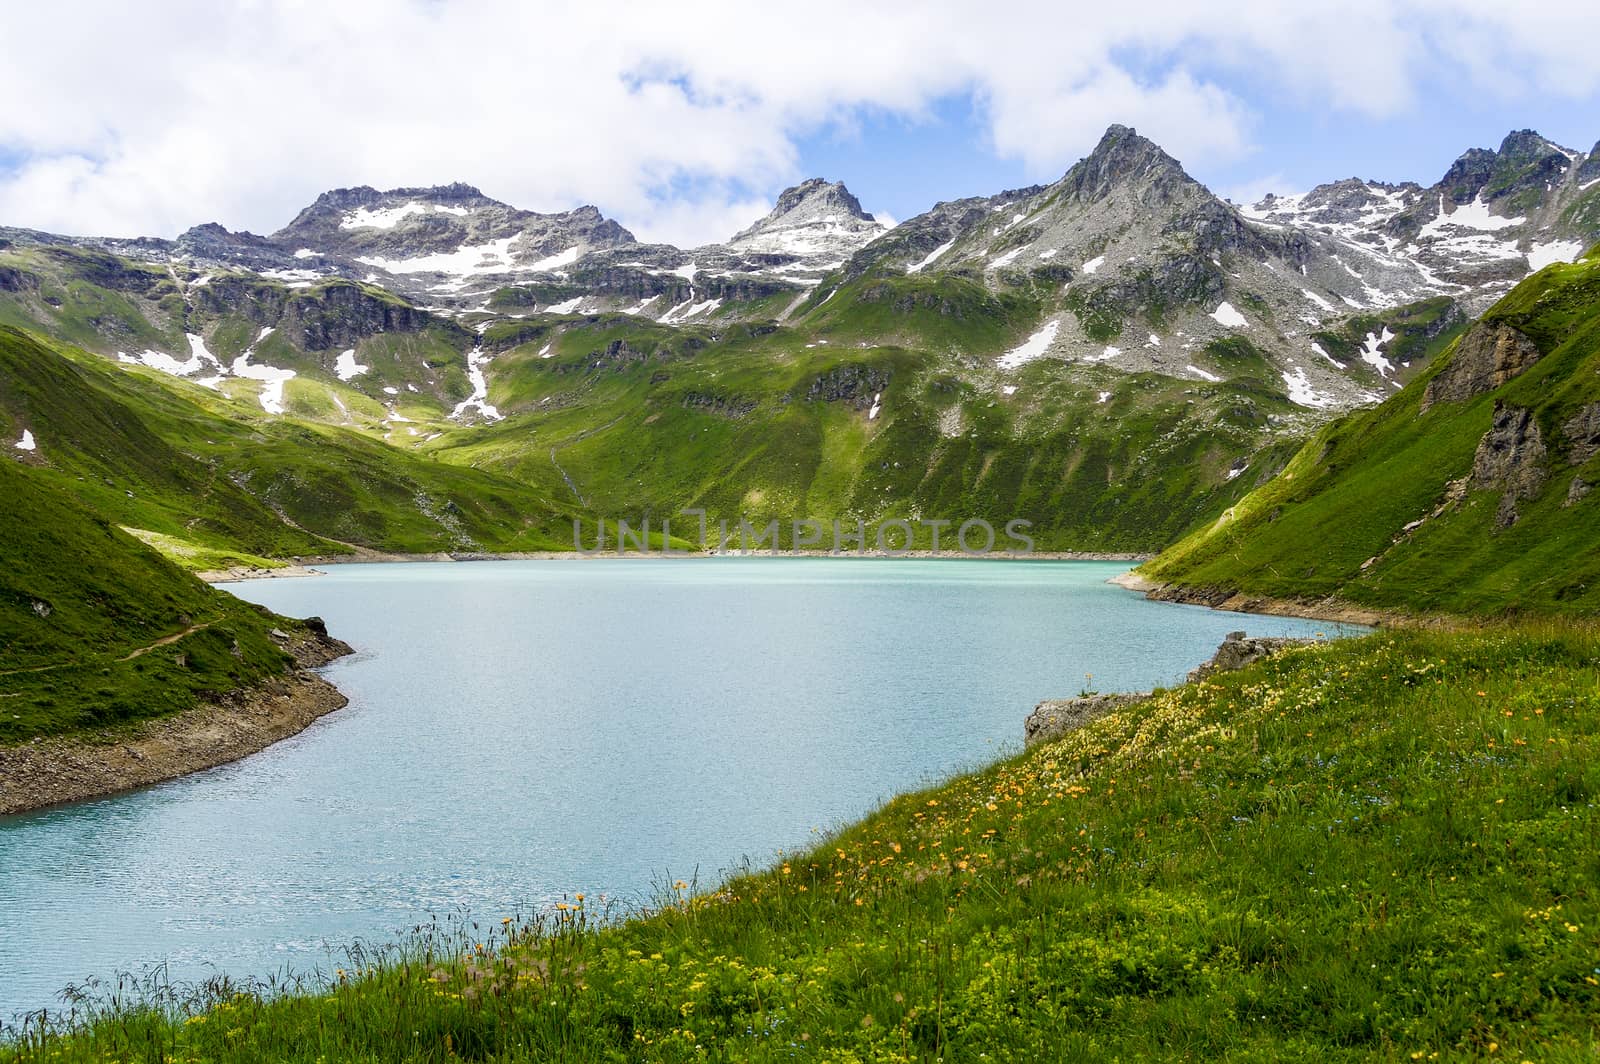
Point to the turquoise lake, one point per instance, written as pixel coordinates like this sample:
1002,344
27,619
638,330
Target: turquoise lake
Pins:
520,731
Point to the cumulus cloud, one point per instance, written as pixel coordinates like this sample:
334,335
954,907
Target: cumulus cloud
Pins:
145,119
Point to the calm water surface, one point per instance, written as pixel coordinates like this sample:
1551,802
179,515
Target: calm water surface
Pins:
518,731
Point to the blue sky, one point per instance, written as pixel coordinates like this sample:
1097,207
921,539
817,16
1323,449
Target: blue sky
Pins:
684,120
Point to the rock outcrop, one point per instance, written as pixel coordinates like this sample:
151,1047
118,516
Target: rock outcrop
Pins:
1488,356
1054,718
1239,650
1583,434
1510,456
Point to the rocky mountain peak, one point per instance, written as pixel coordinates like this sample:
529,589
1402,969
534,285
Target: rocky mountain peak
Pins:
816,219
818,194
813,202
1121,157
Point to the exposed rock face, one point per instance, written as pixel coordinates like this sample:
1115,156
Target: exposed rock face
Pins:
1590,168
1510,456
849,384
729,406
1487,357
1578,491
1055,718
1239,650
1583,434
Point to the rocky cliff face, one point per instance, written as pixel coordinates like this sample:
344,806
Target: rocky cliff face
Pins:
1510,457
1489,355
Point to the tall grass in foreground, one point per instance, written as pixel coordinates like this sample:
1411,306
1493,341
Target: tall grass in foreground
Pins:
1386,848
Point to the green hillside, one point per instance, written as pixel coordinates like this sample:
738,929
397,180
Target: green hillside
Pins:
1468,492
171,458
85,613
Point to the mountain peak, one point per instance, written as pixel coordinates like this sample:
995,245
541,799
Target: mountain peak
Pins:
816,201
814,218
1121,155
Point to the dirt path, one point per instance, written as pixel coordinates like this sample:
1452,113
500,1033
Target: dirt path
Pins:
166,640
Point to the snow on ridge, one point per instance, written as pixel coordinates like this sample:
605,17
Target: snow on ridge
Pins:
689,309
1031,348
1202,374
564,307
468,258
1318,300
1318,348
822,236
347,367
26,443
932,255
389,217
1094,264
1474,215
1228,317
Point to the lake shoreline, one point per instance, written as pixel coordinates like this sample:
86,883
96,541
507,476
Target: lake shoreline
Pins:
57,770
306,566
1331,610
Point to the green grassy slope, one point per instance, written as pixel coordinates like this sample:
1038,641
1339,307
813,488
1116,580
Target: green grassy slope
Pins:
152,453
78,596
1380,849
1341,518
630,419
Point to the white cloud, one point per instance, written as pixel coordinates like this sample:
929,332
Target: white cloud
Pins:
1253,191
690,223
146,119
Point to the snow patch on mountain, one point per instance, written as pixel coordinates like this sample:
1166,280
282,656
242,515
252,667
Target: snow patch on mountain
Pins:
1031,348
1229,318
346,367
389,217
1542,255
558,260
931,258
493,256
1302,393
272,379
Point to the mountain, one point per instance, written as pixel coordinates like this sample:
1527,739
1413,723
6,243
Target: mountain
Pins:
1471,490
1330,299
1493,217
818,221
